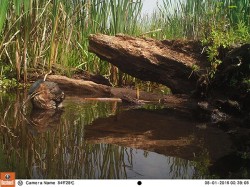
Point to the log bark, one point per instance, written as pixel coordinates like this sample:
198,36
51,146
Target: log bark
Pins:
89,89
167,62
80,87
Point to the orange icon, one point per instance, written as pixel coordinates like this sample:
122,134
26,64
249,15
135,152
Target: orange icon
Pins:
7,179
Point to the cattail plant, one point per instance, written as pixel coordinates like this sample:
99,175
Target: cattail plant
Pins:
40,35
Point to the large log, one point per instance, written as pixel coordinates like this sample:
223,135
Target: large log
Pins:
166,62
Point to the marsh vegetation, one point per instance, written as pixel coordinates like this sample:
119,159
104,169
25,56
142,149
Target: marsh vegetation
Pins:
39,35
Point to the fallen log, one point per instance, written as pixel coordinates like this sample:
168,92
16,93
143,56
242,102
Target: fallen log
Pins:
90,90
167,62
80,87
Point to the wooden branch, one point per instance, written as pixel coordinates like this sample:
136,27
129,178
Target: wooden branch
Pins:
80,87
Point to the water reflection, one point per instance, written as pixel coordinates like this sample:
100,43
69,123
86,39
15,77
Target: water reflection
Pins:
52,144
41,121
155,166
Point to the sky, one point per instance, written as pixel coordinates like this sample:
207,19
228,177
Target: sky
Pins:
150,5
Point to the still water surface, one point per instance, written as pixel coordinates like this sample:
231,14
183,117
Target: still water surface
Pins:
52,145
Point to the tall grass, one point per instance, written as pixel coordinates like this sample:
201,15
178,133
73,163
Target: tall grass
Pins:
3,10
193,18
44,34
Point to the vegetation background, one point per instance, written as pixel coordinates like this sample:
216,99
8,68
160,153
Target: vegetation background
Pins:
36,35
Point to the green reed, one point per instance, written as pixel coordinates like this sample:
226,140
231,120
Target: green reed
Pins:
56,32
194,18
49,33
3,10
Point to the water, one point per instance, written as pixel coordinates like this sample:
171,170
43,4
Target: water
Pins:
155,166
56,144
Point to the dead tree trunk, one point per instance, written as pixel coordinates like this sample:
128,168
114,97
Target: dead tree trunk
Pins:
171,63
80,87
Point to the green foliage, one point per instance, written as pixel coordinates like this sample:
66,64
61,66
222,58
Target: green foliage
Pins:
225,30
6,84
124,15
3,10
44,33
222,38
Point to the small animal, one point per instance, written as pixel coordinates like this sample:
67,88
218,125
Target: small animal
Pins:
46,95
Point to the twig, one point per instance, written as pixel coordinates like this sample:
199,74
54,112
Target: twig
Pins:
9,131
5,44
157,30
44,79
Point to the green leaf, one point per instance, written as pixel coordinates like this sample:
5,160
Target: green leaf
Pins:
3,11
233,6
